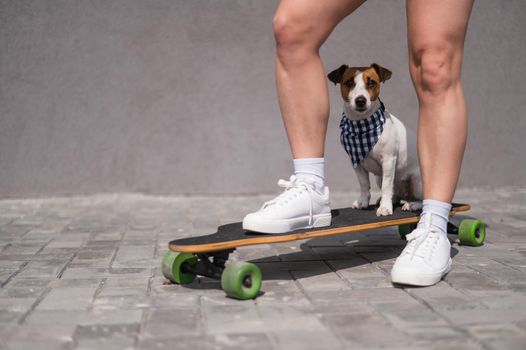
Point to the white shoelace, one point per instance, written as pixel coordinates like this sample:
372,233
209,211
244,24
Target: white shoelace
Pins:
418,237
293,188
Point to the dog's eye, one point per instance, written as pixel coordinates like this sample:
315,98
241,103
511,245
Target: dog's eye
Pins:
371,83
350,83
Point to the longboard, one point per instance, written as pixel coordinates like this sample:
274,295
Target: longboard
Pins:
207,255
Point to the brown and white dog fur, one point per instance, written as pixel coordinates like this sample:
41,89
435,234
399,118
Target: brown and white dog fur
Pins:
393,159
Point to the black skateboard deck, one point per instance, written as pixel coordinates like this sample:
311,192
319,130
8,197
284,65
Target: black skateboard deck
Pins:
344,220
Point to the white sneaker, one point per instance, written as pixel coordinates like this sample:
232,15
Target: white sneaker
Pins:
298,207
425,259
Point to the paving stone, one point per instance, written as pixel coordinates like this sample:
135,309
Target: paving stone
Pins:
333,253
18,230
29,282
175,300
12,309
365,295
316,282
280,270
107,236
47,336
112,343
49,268
24,288
67,299
226,316
295,251
360,276
58,283
443,343
58,244
124,286
106,336
258,253
483,316
82,273
511,343
496,332
12,265
167,322
329,241
503,274
504,300
113,317
134,256
363,330
279,317
283,292
412,317
251,341
317,339
24,248
439,333
6,274
443,296
516,263
92,257
471,280
40,317
100,244
123,302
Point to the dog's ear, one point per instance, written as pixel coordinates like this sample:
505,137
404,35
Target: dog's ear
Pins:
382,72
336,75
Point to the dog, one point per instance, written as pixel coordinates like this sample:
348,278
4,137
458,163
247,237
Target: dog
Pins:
377,142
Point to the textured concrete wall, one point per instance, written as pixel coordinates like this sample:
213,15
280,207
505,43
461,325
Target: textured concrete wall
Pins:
170,97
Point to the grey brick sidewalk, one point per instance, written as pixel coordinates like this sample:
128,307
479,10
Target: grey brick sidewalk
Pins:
84,273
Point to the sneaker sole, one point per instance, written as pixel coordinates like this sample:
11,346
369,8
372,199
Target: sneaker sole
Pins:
420,280
287,225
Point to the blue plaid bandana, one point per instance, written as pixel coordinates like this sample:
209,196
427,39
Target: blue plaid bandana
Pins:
358,137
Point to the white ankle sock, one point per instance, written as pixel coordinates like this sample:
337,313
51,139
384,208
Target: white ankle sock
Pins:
311,167
440,214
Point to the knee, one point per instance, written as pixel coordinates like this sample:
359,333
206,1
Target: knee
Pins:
294,36
434,70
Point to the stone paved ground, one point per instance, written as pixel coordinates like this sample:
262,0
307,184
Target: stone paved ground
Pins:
83,273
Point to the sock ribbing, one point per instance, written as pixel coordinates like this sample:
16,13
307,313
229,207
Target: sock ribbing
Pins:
440,214
311,167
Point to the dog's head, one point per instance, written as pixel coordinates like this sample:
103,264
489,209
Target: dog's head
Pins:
360,86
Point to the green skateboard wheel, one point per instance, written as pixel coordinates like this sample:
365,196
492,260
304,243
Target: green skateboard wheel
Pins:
172,267
241,280
406,229
471,232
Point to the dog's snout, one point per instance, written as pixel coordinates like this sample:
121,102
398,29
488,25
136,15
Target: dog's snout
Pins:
360,101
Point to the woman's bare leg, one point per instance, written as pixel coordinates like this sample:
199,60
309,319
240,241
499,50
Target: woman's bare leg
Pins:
436,32
300,28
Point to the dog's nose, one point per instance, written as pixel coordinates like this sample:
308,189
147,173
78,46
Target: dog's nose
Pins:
360,101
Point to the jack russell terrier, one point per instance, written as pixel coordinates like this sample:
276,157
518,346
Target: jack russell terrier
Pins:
376,141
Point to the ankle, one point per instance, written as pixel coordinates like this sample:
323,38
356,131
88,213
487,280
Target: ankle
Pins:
439,214
313,168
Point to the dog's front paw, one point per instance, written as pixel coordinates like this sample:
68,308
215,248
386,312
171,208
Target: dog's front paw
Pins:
361,203
411,206
385,209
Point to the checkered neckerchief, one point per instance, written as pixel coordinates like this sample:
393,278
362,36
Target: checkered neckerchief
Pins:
358,137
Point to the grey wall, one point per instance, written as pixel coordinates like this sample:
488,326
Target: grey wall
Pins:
172,97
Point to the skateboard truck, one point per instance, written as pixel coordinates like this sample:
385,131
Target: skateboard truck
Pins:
240,280
208,264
